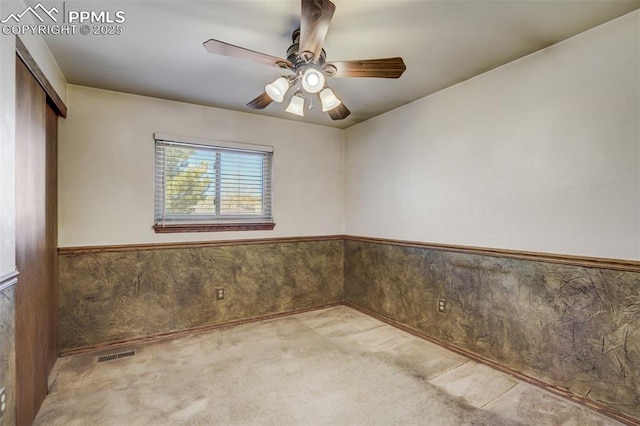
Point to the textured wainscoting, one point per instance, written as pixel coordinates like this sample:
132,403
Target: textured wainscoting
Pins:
109,295
572,326
7,351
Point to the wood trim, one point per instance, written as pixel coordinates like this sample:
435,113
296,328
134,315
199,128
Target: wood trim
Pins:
556,390
71,251
189,331
56,102
8,280
213,227
584,261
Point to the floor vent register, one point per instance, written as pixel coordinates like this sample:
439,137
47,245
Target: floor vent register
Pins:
112,357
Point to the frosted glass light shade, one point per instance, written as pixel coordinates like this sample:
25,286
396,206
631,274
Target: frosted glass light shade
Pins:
277,89
296,106
312,80
329,100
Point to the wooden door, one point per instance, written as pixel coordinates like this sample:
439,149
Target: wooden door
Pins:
36,346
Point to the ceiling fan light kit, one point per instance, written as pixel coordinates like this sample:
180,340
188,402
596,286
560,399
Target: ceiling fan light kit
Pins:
306,59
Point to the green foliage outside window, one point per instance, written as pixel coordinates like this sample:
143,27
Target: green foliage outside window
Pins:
187,181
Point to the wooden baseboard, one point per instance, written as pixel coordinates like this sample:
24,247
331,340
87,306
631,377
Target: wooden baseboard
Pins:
557,390
188,331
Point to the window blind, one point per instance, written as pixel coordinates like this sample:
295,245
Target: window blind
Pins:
197,183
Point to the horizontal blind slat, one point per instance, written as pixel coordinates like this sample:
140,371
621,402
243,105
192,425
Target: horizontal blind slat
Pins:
187,187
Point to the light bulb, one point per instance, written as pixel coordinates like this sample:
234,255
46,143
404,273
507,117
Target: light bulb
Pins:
312,80
277,89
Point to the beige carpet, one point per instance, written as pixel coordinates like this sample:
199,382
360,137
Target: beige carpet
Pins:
330,367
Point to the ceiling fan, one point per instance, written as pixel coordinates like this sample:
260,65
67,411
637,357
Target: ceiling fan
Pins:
306,59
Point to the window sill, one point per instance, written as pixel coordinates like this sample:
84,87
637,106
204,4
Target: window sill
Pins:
217,227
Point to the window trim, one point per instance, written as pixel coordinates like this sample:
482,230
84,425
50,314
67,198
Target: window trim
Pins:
237,224
213,227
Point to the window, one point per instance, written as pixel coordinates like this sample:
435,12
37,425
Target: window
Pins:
211,186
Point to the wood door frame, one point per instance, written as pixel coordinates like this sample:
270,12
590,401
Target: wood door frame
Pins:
38,107
53,98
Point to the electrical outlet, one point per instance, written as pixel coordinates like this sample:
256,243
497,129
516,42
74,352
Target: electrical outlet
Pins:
442,305
219,293
3,401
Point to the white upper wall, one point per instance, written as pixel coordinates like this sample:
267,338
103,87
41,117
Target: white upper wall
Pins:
541,154
106,168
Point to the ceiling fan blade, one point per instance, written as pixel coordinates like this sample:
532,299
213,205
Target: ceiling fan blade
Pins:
221,48
381,68
339,113
316,17
261,102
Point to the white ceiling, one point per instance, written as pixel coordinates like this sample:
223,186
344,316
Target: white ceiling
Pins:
160,52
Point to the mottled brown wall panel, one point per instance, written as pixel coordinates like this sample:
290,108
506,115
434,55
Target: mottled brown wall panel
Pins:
572,326
115,296
7,352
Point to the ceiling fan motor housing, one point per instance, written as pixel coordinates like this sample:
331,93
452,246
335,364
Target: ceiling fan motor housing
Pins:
293,53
